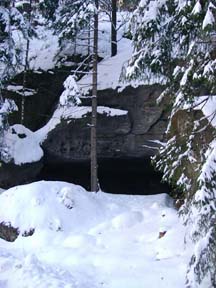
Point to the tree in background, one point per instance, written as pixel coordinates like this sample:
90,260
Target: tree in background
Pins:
110,8
11,59
174,44
114,29
129,5
151,27
48,8
27,16
72,18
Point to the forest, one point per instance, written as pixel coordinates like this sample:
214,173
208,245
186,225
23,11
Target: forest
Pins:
107,143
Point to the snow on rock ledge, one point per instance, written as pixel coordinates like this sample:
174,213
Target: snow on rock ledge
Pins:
23,145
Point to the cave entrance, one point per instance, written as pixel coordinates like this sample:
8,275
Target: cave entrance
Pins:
117,176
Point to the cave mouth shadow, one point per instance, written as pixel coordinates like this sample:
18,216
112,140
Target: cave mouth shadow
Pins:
116,176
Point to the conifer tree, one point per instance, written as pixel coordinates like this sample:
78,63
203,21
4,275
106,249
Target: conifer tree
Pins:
10,60
182,34
72,17
48,8
151,29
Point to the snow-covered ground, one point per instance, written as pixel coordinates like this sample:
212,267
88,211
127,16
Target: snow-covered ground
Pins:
84,239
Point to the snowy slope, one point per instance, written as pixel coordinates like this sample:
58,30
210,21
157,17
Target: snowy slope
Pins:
45,53
84,239
109,70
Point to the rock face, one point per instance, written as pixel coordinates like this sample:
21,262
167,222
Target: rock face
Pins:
182,127
129,135
123,136
12,175
39,107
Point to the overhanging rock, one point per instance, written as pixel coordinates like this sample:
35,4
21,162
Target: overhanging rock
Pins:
133,134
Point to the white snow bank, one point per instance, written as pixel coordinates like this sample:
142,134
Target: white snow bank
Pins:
47,206
1,190
84,239
22,144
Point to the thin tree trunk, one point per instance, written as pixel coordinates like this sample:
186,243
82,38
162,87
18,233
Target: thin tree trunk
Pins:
75,43
24,83
114,29
25,68
89,44
94,179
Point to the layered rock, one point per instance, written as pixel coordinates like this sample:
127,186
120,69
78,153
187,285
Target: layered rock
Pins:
131,135
130,128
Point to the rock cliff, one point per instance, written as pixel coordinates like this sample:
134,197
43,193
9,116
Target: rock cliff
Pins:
132,135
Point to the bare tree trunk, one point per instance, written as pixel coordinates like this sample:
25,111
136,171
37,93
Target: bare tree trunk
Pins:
24,83
94,180
25,68
114,29
89,43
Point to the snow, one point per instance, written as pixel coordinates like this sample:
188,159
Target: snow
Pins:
186,73
208,106
71,94
44,55
151,13
197,8
112,112
74,112
19,89
43,50
84,239
209,18
1,190
22,144
110,69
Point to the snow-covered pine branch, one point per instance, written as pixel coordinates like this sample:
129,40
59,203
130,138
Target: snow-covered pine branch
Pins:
71,94
175,39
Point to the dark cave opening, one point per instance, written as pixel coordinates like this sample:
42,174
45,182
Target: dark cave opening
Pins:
117,176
